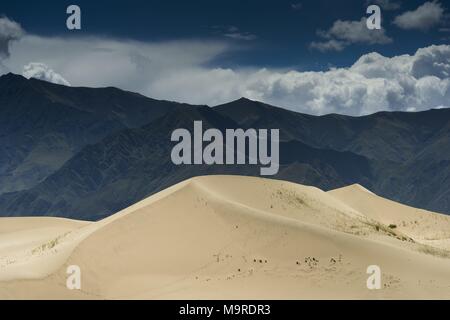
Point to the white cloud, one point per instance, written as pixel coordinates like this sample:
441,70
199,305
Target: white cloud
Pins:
43,72
329,45
357,32
425,17
96,62
9,31
345,33
181,71
373,83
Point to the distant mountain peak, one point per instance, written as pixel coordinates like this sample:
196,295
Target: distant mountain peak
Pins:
12,76
244,99
249,101
244,102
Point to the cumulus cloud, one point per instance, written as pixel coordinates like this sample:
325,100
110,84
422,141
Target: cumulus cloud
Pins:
432,61
385,4
373,83
9,31
43,72
329,45
187,71
425,17
345,33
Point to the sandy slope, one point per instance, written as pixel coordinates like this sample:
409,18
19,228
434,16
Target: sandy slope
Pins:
233,237
423,226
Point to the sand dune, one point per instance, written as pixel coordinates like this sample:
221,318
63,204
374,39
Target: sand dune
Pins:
423,226
230,237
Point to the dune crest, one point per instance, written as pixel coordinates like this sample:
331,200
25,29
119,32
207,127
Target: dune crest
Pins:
233,237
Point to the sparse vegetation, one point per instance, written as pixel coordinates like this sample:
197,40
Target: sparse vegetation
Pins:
434,251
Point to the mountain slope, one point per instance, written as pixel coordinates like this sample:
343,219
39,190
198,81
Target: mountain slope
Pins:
42,125
399,135
134,163
87,153
409,152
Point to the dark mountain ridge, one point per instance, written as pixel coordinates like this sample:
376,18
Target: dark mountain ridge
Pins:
42,125
120,147
127,166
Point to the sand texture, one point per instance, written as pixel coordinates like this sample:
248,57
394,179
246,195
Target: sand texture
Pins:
232,237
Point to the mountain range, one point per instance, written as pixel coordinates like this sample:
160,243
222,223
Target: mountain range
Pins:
87,153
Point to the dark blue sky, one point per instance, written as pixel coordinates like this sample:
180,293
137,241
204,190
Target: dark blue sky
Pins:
282,32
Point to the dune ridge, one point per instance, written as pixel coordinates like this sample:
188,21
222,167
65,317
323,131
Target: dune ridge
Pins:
233,237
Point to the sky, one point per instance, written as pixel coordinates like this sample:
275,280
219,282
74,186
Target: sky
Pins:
316,57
